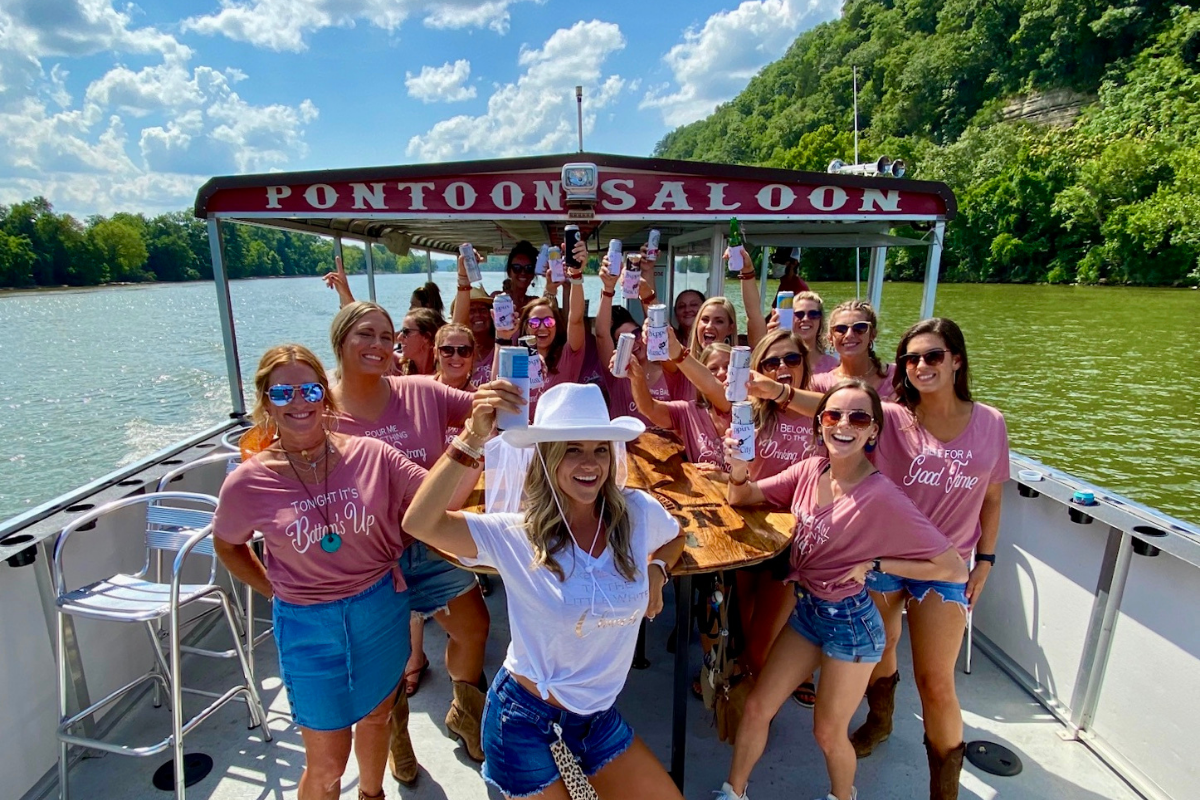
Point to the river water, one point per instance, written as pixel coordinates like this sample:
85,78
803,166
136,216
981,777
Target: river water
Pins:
1099,382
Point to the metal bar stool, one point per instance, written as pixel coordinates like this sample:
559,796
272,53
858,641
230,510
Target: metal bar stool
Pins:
178,522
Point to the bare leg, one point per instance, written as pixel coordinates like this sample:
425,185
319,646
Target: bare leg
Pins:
371,746
935,629
772,607
467,621
555,791
634,773
841,690
416,653
891,608
791,659
326,754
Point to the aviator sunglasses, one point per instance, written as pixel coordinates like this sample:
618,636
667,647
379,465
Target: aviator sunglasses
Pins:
791,361
463,350
830,417
860,328
282,393
812,313
931,357
541,322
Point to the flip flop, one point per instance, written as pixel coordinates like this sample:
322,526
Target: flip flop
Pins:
412,678
805,695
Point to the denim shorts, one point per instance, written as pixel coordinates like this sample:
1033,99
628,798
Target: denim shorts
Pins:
949,592
432,580
340,659
848,630
518,731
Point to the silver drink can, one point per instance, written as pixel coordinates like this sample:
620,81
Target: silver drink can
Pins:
656,334
514,368
652,244
739,373
537,375
624,353
474,275
543,259
631,277
504,312
741,428
783,307
556,264
614,252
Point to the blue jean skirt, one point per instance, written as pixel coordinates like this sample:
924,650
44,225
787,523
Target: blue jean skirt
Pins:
341,659
432,580
848,630
884,583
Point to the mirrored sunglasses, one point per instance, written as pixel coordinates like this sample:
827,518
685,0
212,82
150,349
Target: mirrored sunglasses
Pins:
541,322
282,393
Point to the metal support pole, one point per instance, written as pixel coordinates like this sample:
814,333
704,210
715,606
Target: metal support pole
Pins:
683,677
764,272
716,272
933,263
233,365
875,277
1114,572
370,258
429,265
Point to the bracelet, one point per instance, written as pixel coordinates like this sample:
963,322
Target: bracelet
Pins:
782,393
683,354
459,444
464,288
607,293
742,482
746,276
791,395
662,565
987,558
651,298
454,454
470,431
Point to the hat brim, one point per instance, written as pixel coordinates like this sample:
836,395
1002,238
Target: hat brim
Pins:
621,429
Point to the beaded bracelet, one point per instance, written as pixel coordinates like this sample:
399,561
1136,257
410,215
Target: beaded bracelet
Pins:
607,293
455,454
459,444
746,276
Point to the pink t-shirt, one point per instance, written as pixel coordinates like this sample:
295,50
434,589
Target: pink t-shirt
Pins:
481,373
592,370
620,397
455,430
566,371
694,425
874,520
362,502
789,440
679,386
415,419
826,363
947,480
824,381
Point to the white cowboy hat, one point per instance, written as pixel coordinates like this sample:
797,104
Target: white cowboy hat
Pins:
574,412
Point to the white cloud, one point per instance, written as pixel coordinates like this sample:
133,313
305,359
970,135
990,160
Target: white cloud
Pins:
284,24
537,112
444,84
716,62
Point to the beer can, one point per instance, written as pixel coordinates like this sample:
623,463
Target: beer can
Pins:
504,313
624,353
556,265
656,334
474,275
739,373
513,367
571,233
614,252
631,277
652,244
741,428
543,259
783,307
537,375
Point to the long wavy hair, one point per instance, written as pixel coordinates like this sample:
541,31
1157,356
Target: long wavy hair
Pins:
264,432
560,329
822,330
863,308
952,336
765,411
547,530
730,311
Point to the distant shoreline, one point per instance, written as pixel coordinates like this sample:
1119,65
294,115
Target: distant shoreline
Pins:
17,290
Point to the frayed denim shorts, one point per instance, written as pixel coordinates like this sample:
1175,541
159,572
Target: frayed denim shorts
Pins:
884,583
432,580
848,630
518,729
340,659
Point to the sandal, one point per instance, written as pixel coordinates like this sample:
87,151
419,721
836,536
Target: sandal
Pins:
412,678
805,695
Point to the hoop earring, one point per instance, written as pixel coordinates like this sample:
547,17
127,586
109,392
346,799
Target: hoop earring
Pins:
869,447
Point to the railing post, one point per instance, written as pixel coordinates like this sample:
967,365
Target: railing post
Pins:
370,259
233,366
933,264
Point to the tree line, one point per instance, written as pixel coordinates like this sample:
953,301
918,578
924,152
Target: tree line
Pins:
1107,195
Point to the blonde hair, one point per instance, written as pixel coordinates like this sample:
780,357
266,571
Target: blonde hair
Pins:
705,355
544,524
443,334
345,320
765,411
822,329
864,308
263,433
723,302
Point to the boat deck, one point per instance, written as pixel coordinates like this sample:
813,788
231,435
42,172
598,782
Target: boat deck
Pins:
994,708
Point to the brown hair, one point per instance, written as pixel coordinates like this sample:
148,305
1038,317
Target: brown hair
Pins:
560,329
864,308
345,320
765,410
952,336
850,383
263,433
443,334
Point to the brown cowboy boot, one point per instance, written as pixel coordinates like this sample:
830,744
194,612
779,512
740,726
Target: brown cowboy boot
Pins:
402,761
464,720
364,796
944,772
881,703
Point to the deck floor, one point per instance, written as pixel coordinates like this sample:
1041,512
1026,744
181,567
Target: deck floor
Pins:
994,708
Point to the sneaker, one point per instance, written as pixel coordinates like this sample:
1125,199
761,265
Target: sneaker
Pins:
727,793
853,794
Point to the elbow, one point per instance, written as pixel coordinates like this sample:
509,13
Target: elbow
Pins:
411,523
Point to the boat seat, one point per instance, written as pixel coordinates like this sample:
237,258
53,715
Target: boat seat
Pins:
128,598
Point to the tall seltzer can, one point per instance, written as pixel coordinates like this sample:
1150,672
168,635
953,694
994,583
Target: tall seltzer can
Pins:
514,368
632,277
741,428
624,353
783,307
474,275
543,259
556,264
656,335
739,373
504,312
652,244
537,373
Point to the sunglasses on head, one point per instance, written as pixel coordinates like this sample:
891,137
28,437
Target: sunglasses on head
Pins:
527,269
541,322
861,328
463,350
791,361
931,357
812,313
830,417
282,393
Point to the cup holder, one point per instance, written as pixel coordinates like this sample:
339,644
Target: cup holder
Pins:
1142,547
133,482
24,557
79,508
174,462
205,445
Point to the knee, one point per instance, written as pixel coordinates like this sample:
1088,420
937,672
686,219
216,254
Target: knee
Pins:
892,634
829,737
937,689
325,769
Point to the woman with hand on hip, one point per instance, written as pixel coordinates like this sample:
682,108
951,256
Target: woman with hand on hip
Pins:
583,561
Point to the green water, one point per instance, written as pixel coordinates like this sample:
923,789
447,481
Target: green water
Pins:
1099,382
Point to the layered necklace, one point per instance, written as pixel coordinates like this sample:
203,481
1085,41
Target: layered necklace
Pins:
331,541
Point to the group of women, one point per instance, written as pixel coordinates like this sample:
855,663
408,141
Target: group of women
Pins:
892,472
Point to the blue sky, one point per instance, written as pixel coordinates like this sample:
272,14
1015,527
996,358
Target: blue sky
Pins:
108,106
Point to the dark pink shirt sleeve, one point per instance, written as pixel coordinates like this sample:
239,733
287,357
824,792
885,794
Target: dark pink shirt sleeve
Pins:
779,489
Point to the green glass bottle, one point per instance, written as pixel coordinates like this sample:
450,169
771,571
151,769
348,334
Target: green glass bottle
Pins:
735,244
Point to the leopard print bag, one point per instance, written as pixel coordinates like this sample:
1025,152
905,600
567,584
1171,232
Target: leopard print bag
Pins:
568,767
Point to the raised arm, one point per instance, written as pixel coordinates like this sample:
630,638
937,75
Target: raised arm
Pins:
705,382
802,400
604,341
336,280
576,323
462,300
756,324
654,410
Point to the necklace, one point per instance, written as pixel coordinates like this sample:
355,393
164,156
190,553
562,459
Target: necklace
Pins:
331,541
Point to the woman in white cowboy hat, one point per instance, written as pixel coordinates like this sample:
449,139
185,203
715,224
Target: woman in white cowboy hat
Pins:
582,563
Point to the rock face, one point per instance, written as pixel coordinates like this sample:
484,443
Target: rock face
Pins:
1059,107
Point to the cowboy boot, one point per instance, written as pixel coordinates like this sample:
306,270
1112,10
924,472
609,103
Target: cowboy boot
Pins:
402,761
944,772
364,796
881,703
464,720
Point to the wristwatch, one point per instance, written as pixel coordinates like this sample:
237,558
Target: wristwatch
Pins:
661,565
877,565
988,557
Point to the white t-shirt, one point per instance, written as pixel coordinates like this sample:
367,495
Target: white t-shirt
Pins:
573,638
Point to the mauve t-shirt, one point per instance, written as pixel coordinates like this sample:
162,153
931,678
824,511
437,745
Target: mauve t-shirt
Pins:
874,520
362,501
947,480
826,363
824,381
481,373
415,419
620,397
789,440
566,371
694,425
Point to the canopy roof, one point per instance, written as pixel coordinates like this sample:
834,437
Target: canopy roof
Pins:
495,203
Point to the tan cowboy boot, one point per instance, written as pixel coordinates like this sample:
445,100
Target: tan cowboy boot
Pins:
944,772
465,718
402,761
881,703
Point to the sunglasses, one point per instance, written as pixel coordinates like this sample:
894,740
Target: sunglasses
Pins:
541,322
830,417
791,361
526,269
931,357
860,328
463,350
282,393
812,313
405,332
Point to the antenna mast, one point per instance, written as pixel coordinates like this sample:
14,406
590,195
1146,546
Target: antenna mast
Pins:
579,114
857,251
